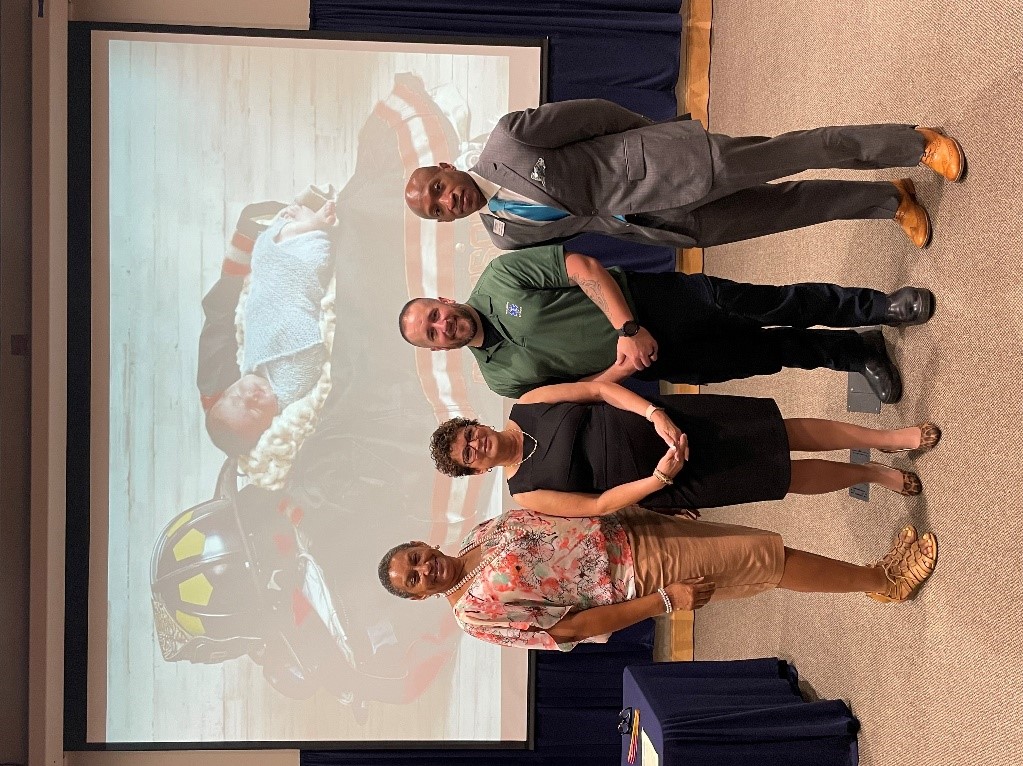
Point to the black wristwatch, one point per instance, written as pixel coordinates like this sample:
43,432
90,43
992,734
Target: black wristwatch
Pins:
628,329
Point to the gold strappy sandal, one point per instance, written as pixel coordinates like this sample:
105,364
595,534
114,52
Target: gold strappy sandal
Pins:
906,537
910,562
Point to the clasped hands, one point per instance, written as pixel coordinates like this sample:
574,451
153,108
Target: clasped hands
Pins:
678,451
636,352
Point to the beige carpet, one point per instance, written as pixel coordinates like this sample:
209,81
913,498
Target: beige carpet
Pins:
938,680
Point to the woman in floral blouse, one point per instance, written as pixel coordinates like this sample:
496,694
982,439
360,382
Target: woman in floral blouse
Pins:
546,582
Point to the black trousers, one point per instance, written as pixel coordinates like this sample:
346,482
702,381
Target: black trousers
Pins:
710,330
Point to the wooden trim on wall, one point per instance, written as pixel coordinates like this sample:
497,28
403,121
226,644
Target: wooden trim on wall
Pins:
693,92
674,639
695,87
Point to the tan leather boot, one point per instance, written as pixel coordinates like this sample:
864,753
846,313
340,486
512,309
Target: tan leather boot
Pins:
942,154
911,215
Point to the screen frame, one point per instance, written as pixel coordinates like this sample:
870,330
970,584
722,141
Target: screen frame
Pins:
79,360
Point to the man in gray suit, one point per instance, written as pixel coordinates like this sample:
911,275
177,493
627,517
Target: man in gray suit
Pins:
550,173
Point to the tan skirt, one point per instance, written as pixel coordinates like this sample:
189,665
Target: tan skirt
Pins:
741,561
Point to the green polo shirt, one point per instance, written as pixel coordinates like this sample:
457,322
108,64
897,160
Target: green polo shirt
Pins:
551,332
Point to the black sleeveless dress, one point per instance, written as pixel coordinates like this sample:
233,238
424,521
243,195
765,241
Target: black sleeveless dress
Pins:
739,451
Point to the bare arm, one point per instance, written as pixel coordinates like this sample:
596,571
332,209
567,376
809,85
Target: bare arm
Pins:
587,273
616,373
578,626
609,393
587,392
600,287
581,504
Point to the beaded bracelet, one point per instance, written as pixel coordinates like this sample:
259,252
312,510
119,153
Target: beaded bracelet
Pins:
663,478
668,609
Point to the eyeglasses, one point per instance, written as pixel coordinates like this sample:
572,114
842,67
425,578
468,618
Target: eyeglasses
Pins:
470,453
625,721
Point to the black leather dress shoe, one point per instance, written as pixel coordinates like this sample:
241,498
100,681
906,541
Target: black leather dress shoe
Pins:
879,370
909,305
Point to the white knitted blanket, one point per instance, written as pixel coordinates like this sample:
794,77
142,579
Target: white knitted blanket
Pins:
270,461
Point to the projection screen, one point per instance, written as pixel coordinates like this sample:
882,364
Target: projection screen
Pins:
235,599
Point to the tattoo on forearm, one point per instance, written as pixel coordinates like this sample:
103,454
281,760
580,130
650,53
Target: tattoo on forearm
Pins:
593,291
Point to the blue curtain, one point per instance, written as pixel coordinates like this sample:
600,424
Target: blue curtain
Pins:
626,51
578,696
738,713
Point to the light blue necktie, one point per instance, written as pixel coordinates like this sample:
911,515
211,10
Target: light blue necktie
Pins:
532,211
529,210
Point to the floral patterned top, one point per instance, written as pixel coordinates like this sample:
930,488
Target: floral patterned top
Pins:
545,567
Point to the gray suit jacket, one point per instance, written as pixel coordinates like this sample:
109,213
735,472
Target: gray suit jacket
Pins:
595,160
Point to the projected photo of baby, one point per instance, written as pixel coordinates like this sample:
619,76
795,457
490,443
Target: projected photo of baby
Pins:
268,366
286,329
246,519
285,322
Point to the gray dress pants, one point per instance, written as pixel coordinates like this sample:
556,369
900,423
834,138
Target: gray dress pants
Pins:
741,204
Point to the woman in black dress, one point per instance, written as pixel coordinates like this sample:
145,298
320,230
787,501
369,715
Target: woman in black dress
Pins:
585,449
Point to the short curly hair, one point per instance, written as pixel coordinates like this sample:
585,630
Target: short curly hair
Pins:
440,446
384,570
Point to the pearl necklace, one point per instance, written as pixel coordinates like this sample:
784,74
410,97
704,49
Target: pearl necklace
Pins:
489,539
536,444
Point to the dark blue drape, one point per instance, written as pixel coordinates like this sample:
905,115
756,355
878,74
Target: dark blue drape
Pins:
626,51
578,696
737,713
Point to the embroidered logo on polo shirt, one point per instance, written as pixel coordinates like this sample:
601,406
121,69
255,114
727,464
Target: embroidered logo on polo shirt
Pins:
513,310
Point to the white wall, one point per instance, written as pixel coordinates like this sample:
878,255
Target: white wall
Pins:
270,14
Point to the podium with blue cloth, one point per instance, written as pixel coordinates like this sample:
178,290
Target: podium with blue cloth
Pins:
735,714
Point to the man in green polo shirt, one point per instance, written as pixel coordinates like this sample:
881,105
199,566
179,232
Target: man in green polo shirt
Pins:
541,315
